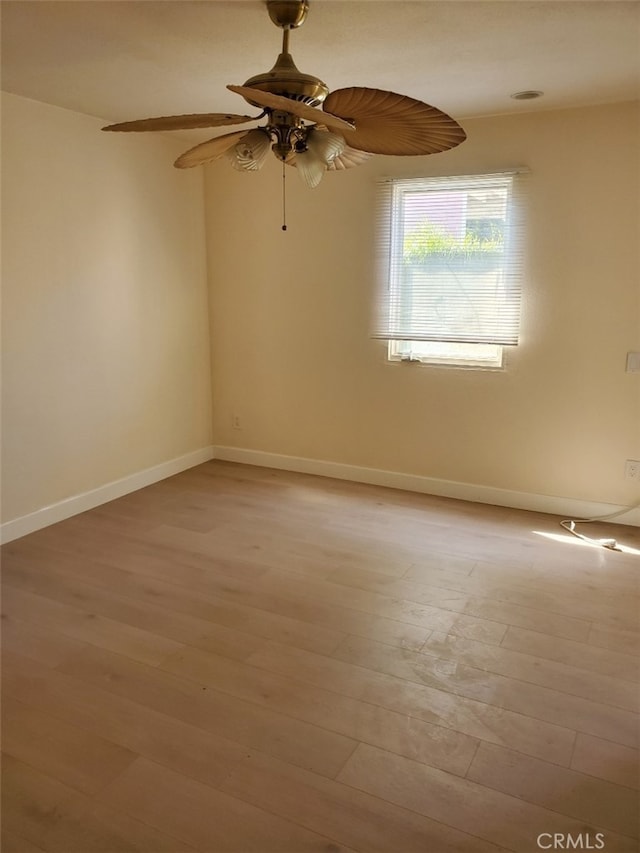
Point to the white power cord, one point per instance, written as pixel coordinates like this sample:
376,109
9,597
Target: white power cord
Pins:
611,544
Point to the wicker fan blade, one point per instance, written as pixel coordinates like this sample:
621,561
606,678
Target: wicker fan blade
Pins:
186,122
387,123
205,152
297,108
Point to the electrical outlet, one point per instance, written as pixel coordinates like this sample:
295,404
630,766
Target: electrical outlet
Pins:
237,423
632,469
633,362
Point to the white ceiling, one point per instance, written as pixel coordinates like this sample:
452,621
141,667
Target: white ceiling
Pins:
130,59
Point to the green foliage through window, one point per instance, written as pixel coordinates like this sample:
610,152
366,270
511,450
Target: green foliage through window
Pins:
429,241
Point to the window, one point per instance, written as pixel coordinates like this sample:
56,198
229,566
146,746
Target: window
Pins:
450,259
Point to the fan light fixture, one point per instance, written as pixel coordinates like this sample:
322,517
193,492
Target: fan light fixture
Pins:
306,126
249,153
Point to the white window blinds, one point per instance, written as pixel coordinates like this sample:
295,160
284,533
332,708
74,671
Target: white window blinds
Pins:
450,259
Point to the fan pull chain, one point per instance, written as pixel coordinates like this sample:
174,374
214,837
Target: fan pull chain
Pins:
284,198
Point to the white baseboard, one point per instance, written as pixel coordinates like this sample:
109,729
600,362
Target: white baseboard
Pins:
110,491
566,507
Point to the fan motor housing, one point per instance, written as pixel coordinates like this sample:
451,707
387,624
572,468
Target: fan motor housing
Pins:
286,80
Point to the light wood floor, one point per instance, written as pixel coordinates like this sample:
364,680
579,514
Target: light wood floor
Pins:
239,659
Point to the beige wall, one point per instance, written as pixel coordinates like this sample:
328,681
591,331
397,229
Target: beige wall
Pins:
105,338
289,316
105,332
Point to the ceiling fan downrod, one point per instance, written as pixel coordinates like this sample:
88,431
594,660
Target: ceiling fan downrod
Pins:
285,78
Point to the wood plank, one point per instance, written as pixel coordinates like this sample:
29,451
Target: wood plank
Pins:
352,817
607,760
33,641
87,626
53,817
188,516
148,616
33,804
468,716
408,612
137,552
542,703
205,817
174,596
523,612
12,843
594,658
80,759
589,571
530,587
534,670
468,806
188,749
297,602
237,582
214,711
583,797
627,642
440,565
362,721
290,542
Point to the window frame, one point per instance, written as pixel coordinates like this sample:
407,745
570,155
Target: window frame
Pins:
392,232
480,360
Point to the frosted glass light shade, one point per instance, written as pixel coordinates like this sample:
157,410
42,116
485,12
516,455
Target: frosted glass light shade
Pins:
249,153
323,147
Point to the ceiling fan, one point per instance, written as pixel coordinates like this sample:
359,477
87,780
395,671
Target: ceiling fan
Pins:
352,125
